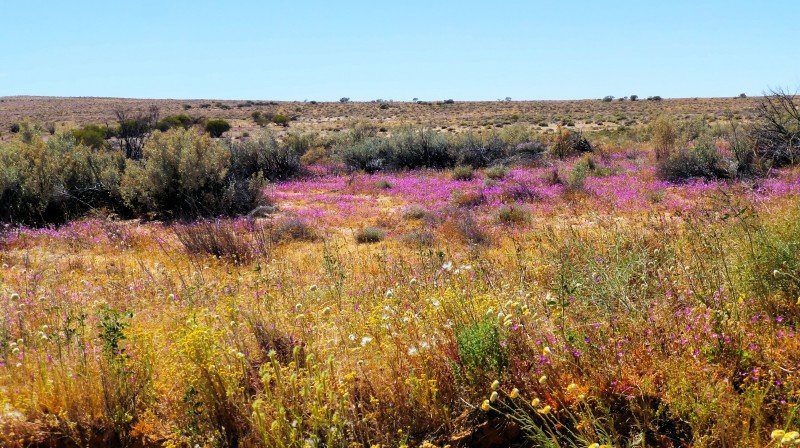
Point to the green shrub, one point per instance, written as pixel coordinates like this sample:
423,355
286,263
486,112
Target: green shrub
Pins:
418,238
183,174
92,135
175,121
367,155
576,179
702,161
664,136
280,119
417,148
527,152
54,181
462,172
496,172
772,260
133,130
261,118
299,143
478,151
217,127
370,235
264,156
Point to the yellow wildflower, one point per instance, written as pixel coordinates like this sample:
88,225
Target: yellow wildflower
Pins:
789,437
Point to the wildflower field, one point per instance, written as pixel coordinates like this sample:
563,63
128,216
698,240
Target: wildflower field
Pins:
585,300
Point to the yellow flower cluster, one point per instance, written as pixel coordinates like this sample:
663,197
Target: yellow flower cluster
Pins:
785,438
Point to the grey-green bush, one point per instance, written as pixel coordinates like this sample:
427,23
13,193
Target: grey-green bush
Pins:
702,161
478,151
366,155
265,156
54,181
183,174
418,148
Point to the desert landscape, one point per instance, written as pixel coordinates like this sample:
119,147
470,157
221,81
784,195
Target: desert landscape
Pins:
414,224
589,273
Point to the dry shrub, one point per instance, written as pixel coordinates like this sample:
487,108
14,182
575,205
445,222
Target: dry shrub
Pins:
292,229
369,235
519,192
567,143
777,135
468,199
463,226
416,213
239,242
418,238
513,214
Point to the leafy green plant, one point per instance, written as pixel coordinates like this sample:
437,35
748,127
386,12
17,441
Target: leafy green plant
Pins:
480,353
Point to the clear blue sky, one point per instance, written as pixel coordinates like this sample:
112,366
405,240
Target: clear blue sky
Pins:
323,50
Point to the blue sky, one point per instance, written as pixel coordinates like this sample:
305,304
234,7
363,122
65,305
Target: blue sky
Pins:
323,50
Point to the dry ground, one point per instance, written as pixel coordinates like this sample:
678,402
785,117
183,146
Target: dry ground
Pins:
332,116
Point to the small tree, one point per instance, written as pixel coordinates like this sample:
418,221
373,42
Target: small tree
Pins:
217,127
665,134
777,136
344,99
134,130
